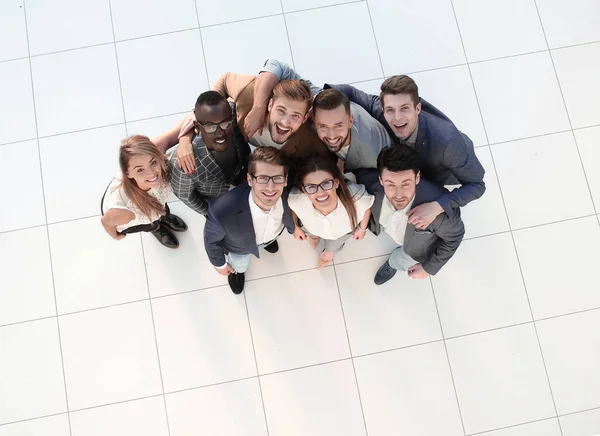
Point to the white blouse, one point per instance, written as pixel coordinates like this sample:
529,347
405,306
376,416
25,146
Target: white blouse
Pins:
115,198
335,224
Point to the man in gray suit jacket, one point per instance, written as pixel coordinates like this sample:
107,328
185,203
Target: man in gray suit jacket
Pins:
421,252
345,128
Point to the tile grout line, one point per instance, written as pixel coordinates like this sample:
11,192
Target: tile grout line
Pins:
437,310
60,346
149,299
483,433
162,385
362,410
375,38
287,34
352,83
114,43
591,309
311,366
470,238
100,127
562,95
202,46
262,398
506,212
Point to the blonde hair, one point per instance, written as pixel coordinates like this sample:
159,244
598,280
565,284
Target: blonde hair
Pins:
139,145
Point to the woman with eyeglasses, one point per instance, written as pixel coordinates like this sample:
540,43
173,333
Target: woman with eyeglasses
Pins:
135,201
328,207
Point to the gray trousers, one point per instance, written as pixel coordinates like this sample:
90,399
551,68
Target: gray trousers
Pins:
400,260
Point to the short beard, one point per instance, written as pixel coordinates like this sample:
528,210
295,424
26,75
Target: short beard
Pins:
342,143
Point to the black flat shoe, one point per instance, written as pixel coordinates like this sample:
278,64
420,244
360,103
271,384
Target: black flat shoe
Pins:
384,273
165,237
236,282
174,223
273,247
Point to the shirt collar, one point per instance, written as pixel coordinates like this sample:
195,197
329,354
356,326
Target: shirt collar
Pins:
412,139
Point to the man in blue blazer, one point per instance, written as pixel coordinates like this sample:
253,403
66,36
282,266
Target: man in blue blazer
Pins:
249,217
447,154
421,252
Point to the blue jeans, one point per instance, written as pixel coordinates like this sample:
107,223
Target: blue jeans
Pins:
400,260
240,262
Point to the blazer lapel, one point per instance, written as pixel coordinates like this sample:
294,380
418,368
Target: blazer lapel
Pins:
410,229
421,142
354,159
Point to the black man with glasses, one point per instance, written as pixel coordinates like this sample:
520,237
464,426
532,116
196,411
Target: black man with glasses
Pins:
220,154
249,217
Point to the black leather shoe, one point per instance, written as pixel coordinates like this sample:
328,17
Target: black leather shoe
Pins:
384,273
174,223
273,247
236,282
165,237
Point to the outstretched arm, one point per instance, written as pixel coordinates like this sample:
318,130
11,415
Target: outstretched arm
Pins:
214,233
116,217
272,73
460,158
451,232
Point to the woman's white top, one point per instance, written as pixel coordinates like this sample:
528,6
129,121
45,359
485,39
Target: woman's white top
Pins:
335,224
115,198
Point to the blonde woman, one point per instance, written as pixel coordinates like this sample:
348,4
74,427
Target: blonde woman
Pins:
135,201
328,207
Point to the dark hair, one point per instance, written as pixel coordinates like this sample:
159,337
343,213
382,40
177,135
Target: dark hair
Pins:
400,85
210,98
320,162
330,99
269,155
398,157
297,90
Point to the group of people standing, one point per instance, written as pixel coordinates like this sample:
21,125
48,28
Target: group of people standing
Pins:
273,151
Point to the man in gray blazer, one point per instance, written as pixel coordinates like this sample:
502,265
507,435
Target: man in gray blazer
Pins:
345,128
421,252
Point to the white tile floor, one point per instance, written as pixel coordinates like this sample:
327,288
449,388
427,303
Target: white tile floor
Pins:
128,338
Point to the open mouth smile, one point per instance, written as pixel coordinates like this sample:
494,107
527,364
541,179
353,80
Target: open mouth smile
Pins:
281,130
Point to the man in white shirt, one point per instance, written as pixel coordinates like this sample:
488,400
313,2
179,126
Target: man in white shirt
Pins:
421,252
249,217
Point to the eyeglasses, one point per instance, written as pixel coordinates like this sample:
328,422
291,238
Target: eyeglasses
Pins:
263,180
212,128
325,185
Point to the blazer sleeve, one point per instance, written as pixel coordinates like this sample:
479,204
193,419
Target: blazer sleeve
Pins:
370,103
214,233
460,158
288,221
450,233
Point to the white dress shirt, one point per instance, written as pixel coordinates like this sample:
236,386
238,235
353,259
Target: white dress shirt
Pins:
394,221
267,224
335,224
